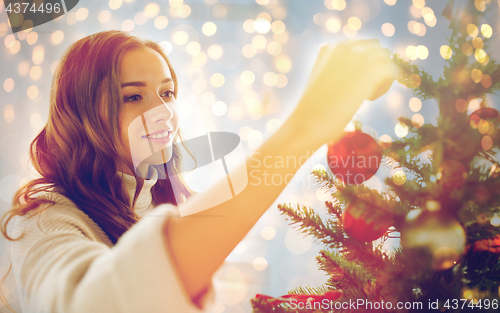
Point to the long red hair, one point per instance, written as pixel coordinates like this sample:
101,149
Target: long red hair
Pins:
77,152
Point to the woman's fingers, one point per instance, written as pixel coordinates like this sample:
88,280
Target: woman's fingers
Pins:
360,67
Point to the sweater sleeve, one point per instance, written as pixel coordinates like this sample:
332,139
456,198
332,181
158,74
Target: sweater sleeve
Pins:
61,267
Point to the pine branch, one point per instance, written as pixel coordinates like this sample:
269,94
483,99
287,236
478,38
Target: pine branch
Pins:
309,290
327,182
309,222
425,89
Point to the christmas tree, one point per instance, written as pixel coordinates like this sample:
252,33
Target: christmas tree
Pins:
442,200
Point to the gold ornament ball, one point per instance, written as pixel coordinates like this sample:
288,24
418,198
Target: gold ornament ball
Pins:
440,233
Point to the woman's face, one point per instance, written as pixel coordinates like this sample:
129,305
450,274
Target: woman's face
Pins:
149,118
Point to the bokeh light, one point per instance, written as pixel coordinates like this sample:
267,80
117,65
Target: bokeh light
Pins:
415,104
274,48
32,38
200,59
209,29
259,264
161,22
388,29
354,22
486,142
35,72
36,121
476,75
38,54
472,30
249,51
486,81
127,25
486,30
262,25
9,113
445,52
152,9
268,233
401,130
273,124
115,4
140,18
175,3
419,4
104,16
283,64
278,27
282,81
219,108
248,26
82,14
217,80
270,78
481,56
57,37
279,13
193,48
385,141
417,28
333,25
180,38
259,42
417,120
23,68
32,92
8,84
480,4
219,10
183,11
214,52
247,77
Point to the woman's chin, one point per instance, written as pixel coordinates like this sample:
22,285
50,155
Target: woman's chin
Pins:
160,157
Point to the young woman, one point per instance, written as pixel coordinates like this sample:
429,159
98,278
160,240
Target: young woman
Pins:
92,235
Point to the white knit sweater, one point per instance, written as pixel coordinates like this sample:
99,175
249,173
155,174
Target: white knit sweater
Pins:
65,263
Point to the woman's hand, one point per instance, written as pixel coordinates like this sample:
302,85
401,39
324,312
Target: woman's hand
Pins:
343,77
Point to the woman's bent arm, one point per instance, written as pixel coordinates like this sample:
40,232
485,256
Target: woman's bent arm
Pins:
342,78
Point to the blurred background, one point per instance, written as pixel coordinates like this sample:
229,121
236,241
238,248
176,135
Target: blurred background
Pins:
246,62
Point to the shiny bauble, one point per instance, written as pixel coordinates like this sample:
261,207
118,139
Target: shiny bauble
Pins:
355,158
439,233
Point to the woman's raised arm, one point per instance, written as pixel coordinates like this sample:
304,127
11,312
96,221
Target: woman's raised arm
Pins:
342,78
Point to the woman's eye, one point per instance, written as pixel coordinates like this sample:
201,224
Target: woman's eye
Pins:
132,98
168,94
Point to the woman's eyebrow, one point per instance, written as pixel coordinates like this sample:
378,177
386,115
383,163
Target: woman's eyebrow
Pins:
143,84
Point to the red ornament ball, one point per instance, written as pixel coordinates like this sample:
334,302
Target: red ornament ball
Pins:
355,158
359,229
487,114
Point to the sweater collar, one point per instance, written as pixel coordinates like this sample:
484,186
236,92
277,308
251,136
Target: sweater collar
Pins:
145,198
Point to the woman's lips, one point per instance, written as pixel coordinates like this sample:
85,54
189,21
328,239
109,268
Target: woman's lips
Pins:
162,136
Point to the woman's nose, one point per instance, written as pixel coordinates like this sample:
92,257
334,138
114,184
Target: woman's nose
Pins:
160,111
